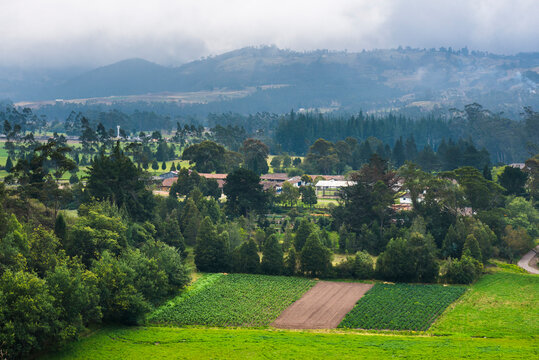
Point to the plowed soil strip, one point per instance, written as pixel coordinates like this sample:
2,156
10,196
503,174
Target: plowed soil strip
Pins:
322,307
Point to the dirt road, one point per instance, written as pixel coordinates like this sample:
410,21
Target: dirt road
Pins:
322,307
524,262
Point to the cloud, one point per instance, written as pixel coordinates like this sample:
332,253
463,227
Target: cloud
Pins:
38,33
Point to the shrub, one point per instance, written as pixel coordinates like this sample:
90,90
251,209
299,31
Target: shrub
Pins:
463,271
360,266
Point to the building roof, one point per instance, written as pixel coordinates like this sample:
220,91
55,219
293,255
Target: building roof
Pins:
213,176
168,182
275,177
334,183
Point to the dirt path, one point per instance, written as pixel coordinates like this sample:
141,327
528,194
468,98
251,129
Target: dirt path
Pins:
525,261
322,307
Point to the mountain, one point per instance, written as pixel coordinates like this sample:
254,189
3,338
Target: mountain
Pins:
279,79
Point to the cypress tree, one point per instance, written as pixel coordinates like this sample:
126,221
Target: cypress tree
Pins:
291,262
163,165
272,257
471,248
9,164
303,232
315,258
60,227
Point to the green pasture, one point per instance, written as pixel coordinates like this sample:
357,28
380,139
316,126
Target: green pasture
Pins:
496,318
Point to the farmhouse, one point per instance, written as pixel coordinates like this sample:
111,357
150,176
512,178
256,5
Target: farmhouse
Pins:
331,187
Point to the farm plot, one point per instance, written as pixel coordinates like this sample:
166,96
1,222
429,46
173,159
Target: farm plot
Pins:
233,300
401,307
322,307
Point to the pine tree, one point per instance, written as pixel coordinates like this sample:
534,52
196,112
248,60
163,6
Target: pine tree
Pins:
249,261
272,257
9,164
315,258
291,262
487,173
173,167
303,232
60,227
471,248
211,250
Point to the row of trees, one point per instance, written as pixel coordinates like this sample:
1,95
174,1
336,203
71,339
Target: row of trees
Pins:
506,140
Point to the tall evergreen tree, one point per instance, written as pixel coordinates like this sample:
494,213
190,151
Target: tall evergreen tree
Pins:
272,256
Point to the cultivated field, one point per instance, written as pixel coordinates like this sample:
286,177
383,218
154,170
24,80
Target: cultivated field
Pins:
401,307
322,307
496,318
234,300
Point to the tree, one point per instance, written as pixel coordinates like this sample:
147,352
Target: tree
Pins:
513,180
207,156
370,198
9,164
412,259
247,260
94,232
44,247
28,318
272,257
115,178
291,262
360,266
255,155
289,194
155,165
308,195
211,250
305,229
163,165
244,193
76,296
517,242
471,248
322,157
276,163
60,227
465,270
315,258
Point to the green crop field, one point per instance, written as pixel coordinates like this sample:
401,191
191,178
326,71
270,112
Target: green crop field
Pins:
496,318
234,300
401,307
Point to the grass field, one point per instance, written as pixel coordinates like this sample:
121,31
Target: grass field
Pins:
503,304
401,307
496,319
233,300
202,343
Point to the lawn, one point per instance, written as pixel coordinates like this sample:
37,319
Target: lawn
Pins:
204,343
233,300
401,307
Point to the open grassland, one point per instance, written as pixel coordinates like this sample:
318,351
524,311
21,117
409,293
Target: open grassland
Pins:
233,300
401,307
496,318
207,343
499,305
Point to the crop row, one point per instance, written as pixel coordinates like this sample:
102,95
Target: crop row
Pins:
235,300
401,307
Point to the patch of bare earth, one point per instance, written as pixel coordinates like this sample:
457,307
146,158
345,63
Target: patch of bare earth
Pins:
322,307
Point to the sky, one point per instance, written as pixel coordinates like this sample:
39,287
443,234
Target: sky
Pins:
61,33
